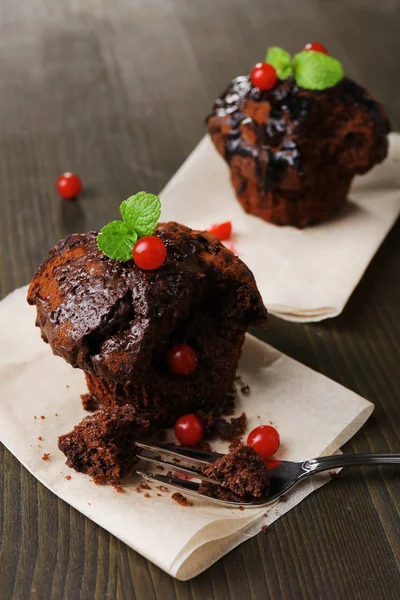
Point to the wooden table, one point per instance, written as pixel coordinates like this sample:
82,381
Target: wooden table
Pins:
117,91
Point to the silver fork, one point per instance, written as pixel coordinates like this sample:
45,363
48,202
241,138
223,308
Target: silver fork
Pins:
283,475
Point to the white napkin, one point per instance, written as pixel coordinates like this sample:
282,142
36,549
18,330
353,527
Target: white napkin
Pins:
303,275
314,416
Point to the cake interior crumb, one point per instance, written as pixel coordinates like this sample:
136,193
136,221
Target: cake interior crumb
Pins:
181,499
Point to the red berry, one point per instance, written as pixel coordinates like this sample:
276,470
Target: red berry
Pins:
149,252
223,231
189,430
265,440
181,359
69,185
263,76
316,47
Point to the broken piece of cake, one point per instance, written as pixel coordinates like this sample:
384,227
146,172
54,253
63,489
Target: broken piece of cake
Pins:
241,471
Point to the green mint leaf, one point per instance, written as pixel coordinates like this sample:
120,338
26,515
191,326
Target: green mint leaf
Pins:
141,213
316,71
280,59
116,241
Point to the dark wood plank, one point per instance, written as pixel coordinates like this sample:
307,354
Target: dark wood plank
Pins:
118,92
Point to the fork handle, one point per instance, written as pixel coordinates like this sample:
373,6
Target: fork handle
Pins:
325,463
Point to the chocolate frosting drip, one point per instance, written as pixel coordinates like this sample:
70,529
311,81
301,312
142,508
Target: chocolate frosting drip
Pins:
290,129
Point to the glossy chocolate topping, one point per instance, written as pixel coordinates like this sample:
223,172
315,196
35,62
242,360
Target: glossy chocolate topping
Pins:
277,127
105,316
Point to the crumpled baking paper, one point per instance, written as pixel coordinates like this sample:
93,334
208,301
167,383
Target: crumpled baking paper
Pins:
303,275
40,399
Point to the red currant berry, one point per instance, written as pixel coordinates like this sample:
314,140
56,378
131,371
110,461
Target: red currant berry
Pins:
316,47
223,231
265,440
181,359
149,252
69,185
263,76
189,430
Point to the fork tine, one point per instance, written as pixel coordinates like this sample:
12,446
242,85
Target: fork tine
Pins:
174,467
190,488
181,484
197,457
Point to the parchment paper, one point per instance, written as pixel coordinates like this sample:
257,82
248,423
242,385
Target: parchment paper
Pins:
314,416
303,275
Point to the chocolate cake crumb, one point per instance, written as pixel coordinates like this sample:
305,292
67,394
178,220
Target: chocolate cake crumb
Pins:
241,507
160,468
35,417
226,430
119,488
145,486
67,386
264,529
244,388
208,422
68,477
242,470
103,444
56,414
89,402
265,515
46,456
333,474
147,495
235,444
159,494
162,488
203,446
181,499
40,438
283,498
42,417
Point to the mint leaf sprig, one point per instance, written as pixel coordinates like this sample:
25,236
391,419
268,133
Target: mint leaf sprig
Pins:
280,60
312,70
140,214
316,71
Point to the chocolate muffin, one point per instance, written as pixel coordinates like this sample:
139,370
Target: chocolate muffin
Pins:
117,322
293,152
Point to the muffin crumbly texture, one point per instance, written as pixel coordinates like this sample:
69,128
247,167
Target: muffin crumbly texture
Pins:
242,471
117,322
103,445
293,152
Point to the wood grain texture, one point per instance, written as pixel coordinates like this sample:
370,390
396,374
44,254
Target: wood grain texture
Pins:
118,91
